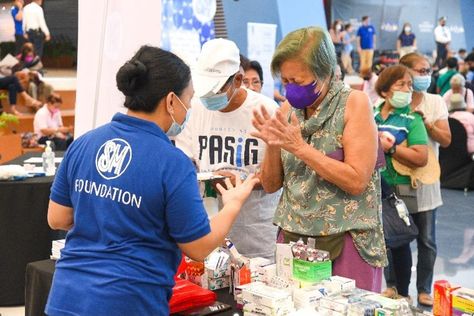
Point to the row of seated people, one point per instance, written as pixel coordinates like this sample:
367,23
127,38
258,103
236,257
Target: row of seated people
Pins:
25,79
457,161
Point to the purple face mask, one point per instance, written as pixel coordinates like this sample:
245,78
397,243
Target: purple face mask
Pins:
301,97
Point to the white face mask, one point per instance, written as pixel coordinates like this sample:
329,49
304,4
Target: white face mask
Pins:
407,29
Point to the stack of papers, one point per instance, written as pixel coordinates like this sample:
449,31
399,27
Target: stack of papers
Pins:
56,249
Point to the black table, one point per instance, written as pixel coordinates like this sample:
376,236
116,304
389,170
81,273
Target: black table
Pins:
39,276
24,232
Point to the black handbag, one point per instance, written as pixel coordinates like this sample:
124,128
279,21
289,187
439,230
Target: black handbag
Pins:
398,226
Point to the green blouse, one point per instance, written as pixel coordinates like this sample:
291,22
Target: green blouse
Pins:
311,206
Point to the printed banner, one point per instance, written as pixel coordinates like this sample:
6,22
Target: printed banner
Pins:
261,43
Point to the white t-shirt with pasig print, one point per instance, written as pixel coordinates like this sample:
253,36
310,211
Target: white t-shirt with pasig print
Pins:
222,141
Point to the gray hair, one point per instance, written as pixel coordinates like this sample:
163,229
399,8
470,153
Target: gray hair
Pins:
458,80
311,45
456,102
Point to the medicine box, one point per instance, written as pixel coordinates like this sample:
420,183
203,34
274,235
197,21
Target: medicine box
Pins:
442,305
311,271
463,301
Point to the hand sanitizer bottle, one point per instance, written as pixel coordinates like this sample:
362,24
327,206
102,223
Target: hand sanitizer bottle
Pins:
48,160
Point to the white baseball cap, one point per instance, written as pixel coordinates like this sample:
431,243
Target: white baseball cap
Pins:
219,59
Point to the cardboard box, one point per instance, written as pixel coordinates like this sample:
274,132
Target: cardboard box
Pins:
261,294
284,261
215,284
463,301
337,303
240,276
329,312
344,284
442,305
387,303
266,273
384,312
307,297
311,271
457,312
264,310
214,274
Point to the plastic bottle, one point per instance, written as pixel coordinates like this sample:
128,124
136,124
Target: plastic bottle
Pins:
48,160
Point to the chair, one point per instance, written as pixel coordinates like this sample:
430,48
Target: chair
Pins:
456,163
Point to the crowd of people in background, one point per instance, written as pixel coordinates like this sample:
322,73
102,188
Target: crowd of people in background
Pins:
412,101
25,78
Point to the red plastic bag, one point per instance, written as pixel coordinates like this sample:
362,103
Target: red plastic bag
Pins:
181,268
187,295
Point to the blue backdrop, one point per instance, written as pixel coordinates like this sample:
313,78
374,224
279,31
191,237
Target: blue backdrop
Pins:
388,18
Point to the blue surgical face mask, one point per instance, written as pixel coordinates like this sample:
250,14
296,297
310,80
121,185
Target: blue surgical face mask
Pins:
400,99
421,83
176,128
216,102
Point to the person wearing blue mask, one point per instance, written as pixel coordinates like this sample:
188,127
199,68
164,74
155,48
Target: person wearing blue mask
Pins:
434,112
130,200
322,151
218,139
408,146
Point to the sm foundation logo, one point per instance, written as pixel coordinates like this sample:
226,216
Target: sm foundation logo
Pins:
113,158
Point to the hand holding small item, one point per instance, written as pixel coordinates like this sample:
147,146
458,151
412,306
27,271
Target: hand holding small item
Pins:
221,180
387,140
239,192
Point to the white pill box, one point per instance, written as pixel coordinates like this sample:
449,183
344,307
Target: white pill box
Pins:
261,294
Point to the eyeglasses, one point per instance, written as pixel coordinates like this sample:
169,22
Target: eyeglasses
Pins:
423,71
253,83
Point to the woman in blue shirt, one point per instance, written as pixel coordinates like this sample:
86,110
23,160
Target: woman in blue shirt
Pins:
406,42
131,202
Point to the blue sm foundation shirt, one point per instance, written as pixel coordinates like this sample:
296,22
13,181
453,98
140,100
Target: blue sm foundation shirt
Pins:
134,196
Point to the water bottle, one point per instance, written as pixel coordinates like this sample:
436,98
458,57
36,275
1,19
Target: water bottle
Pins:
48,160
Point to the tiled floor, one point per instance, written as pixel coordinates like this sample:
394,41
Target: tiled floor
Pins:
455,221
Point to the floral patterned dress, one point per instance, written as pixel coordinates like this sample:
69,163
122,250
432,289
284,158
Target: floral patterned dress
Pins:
311,206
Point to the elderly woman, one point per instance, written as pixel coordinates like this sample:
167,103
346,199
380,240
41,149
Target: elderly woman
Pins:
435,117
394,117
457,110
458,83
322,151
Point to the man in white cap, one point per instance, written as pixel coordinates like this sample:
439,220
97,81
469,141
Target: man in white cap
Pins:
217,138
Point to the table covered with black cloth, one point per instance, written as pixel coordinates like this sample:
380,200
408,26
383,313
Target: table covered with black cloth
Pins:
39,276
24,232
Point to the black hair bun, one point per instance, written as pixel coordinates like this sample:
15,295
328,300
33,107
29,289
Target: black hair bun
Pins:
130,76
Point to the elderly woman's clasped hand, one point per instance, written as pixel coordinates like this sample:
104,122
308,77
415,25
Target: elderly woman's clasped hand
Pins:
277,131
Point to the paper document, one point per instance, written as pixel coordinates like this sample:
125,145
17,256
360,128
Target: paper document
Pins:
204,176
8,61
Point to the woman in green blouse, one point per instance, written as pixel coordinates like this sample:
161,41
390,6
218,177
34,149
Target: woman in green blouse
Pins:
322,150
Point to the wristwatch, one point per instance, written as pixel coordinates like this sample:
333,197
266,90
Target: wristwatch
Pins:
392,150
